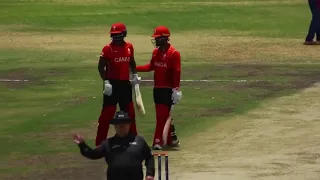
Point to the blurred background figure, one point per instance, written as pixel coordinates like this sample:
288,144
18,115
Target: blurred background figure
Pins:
314,28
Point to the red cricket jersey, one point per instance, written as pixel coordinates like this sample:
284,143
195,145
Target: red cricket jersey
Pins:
118,58
166,66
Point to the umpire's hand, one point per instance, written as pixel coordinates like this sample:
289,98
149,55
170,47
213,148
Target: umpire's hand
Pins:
77,138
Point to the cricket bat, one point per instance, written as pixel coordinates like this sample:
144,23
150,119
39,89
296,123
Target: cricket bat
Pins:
167,128
138,100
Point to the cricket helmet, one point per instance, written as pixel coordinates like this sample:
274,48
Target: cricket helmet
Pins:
161,36
118,31
161,31
121,117
118,28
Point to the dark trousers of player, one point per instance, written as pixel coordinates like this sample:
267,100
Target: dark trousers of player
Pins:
122,95
163,103
314,28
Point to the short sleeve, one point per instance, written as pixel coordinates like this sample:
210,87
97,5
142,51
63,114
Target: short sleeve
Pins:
131,49
105,52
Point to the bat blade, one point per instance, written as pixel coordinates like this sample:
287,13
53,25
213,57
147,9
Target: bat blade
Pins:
167,128
138,100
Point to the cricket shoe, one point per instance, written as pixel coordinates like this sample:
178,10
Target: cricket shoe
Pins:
175,143
157,147
310,43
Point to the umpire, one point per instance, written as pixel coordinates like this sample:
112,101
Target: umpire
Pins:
314,28
124,152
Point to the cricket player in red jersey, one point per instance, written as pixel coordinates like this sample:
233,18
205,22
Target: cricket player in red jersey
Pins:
115,65
166,65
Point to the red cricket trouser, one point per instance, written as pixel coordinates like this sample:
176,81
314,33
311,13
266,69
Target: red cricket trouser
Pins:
162,114
162,100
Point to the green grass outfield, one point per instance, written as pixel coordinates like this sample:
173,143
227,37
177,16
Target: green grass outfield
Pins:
55,45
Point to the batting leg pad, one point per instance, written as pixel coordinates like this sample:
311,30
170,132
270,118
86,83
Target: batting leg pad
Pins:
162,113
173,129
106,115
169,137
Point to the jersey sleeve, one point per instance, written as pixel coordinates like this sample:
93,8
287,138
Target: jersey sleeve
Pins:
106,53
95,153
148,158
176,69
131,50
147,67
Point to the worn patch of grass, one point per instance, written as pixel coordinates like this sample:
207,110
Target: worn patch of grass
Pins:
256,19
202,47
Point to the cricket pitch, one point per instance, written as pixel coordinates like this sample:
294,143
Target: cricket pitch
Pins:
277,141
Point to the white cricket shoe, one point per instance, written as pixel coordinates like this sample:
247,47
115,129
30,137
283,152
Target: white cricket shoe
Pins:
157,147
175,143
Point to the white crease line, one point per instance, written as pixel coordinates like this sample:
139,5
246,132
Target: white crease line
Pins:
190,80
13,80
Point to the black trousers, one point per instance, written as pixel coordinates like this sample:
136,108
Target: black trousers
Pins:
121,94
162,96
314,28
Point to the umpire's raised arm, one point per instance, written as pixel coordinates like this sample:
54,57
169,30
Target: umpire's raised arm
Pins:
87,151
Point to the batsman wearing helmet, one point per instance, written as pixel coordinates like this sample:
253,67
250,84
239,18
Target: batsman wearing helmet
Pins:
166,64
115,65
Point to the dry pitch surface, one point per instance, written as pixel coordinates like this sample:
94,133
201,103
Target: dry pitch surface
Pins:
277,141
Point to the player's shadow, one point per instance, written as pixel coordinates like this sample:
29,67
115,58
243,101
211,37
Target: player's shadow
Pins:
168,148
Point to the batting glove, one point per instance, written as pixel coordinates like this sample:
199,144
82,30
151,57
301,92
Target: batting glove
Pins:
107,88
176,96
135,79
